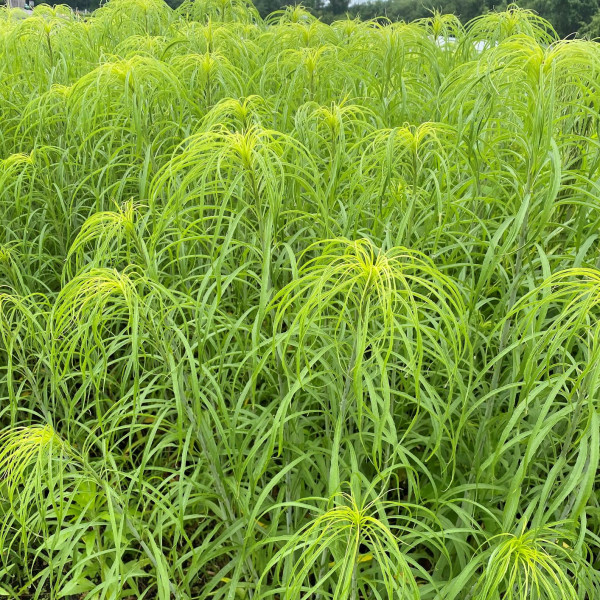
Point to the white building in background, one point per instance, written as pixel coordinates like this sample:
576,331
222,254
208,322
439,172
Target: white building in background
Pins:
19,3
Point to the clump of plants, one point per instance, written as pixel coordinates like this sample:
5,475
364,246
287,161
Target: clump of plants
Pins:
297,311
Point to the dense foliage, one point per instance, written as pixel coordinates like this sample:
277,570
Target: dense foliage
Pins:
567,16
291,310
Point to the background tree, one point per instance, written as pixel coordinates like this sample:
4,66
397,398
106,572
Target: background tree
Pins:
567,16
592,29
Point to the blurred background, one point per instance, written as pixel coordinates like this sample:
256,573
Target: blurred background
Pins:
569,17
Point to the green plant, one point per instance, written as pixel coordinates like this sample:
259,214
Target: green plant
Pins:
296,310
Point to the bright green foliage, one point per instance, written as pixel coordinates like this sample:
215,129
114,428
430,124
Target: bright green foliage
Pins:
297,311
